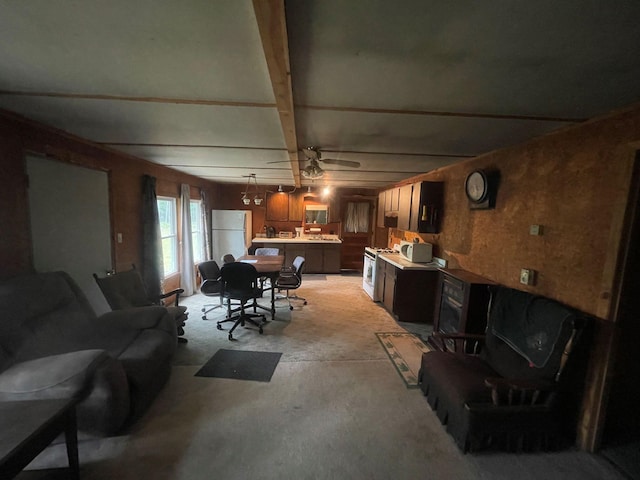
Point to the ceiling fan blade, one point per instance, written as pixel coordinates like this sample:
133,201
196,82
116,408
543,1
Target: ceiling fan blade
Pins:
344,163
280,161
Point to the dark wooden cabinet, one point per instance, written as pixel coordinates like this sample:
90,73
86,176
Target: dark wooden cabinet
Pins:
296,207
426,207
319,257
463,300
277,207
404,206
409,295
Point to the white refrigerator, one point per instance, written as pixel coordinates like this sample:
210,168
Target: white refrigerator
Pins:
230,233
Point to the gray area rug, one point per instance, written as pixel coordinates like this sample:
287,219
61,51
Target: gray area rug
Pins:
241,365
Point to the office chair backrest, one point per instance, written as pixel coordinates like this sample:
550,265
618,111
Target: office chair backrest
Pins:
267,251
298,265
239,277
228,258
210,273
209,270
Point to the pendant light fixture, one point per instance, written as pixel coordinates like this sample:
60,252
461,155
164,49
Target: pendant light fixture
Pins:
246,195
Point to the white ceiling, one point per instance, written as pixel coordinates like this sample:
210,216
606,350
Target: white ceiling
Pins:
404,87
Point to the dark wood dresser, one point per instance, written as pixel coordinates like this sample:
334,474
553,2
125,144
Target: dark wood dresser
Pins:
462,302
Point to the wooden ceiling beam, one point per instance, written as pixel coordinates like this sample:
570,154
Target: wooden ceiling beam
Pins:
270,15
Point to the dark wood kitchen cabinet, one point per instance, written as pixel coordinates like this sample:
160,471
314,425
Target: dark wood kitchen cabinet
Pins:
426,207
404,206
277,207
462,303
409,295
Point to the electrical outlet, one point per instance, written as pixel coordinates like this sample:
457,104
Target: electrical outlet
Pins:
527,276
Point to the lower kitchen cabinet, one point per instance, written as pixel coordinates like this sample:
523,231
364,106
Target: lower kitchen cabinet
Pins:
409,295
319,257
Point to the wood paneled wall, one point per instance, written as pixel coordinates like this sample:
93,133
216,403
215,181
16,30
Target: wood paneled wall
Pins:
18,136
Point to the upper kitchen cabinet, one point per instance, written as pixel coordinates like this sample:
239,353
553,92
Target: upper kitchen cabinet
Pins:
296,207
426,207
404,207
277,207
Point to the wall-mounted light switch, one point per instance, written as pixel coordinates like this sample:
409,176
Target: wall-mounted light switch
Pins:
535,230
527,276
119,238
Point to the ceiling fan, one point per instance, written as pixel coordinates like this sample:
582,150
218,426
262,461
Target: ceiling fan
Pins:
314,156
314,171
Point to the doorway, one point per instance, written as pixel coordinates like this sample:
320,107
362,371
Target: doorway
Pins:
70,223
357,224
621,435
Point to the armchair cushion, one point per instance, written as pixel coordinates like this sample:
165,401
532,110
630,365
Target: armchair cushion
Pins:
58,376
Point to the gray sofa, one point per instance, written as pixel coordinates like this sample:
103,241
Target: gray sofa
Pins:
52,344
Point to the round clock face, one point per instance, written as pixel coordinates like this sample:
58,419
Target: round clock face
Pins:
476,186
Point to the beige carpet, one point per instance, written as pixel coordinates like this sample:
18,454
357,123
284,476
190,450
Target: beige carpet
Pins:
335,409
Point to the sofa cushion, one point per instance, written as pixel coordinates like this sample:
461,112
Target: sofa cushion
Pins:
30,303
59,376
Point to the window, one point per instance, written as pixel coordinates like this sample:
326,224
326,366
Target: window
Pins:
357,217
168,231
197,234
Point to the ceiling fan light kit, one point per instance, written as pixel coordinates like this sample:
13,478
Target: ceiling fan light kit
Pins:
313,171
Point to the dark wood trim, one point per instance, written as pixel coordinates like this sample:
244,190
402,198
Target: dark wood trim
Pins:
432,113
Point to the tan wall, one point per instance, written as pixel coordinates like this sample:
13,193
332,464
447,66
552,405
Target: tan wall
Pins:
574,183
125,181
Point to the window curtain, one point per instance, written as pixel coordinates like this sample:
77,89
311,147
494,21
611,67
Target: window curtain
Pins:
152,265
357,217
188,279
204,211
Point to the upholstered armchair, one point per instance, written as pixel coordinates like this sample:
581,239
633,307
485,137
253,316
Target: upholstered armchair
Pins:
516,388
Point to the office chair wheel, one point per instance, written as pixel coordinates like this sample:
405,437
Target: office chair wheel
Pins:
219,327
230,336
204,317
290,307
260,330
305,302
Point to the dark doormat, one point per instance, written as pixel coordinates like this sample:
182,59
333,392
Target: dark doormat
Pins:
243,365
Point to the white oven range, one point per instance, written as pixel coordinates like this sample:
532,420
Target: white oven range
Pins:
369,270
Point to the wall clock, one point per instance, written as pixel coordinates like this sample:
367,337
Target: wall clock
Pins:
480,189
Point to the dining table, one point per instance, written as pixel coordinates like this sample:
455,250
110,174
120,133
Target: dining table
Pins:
268,266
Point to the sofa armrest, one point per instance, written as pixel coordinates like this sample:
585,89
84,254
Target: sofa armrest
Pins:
514,391
67,375
138,318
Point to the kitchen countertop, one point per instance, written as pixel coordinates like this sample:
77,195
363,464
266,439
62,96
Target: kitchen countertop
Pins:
402,263
308,239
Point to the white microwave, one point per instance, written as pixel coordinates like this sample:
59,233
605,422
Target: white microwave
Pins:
417,252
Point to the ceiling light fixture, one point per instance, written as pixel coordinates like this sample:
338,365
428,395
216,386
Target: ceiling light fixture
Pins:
246,195
313,171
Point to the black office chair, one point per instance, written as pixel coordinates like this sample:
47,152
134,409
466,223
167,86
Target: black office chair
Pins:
240,283
211,285
290,278
127,290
